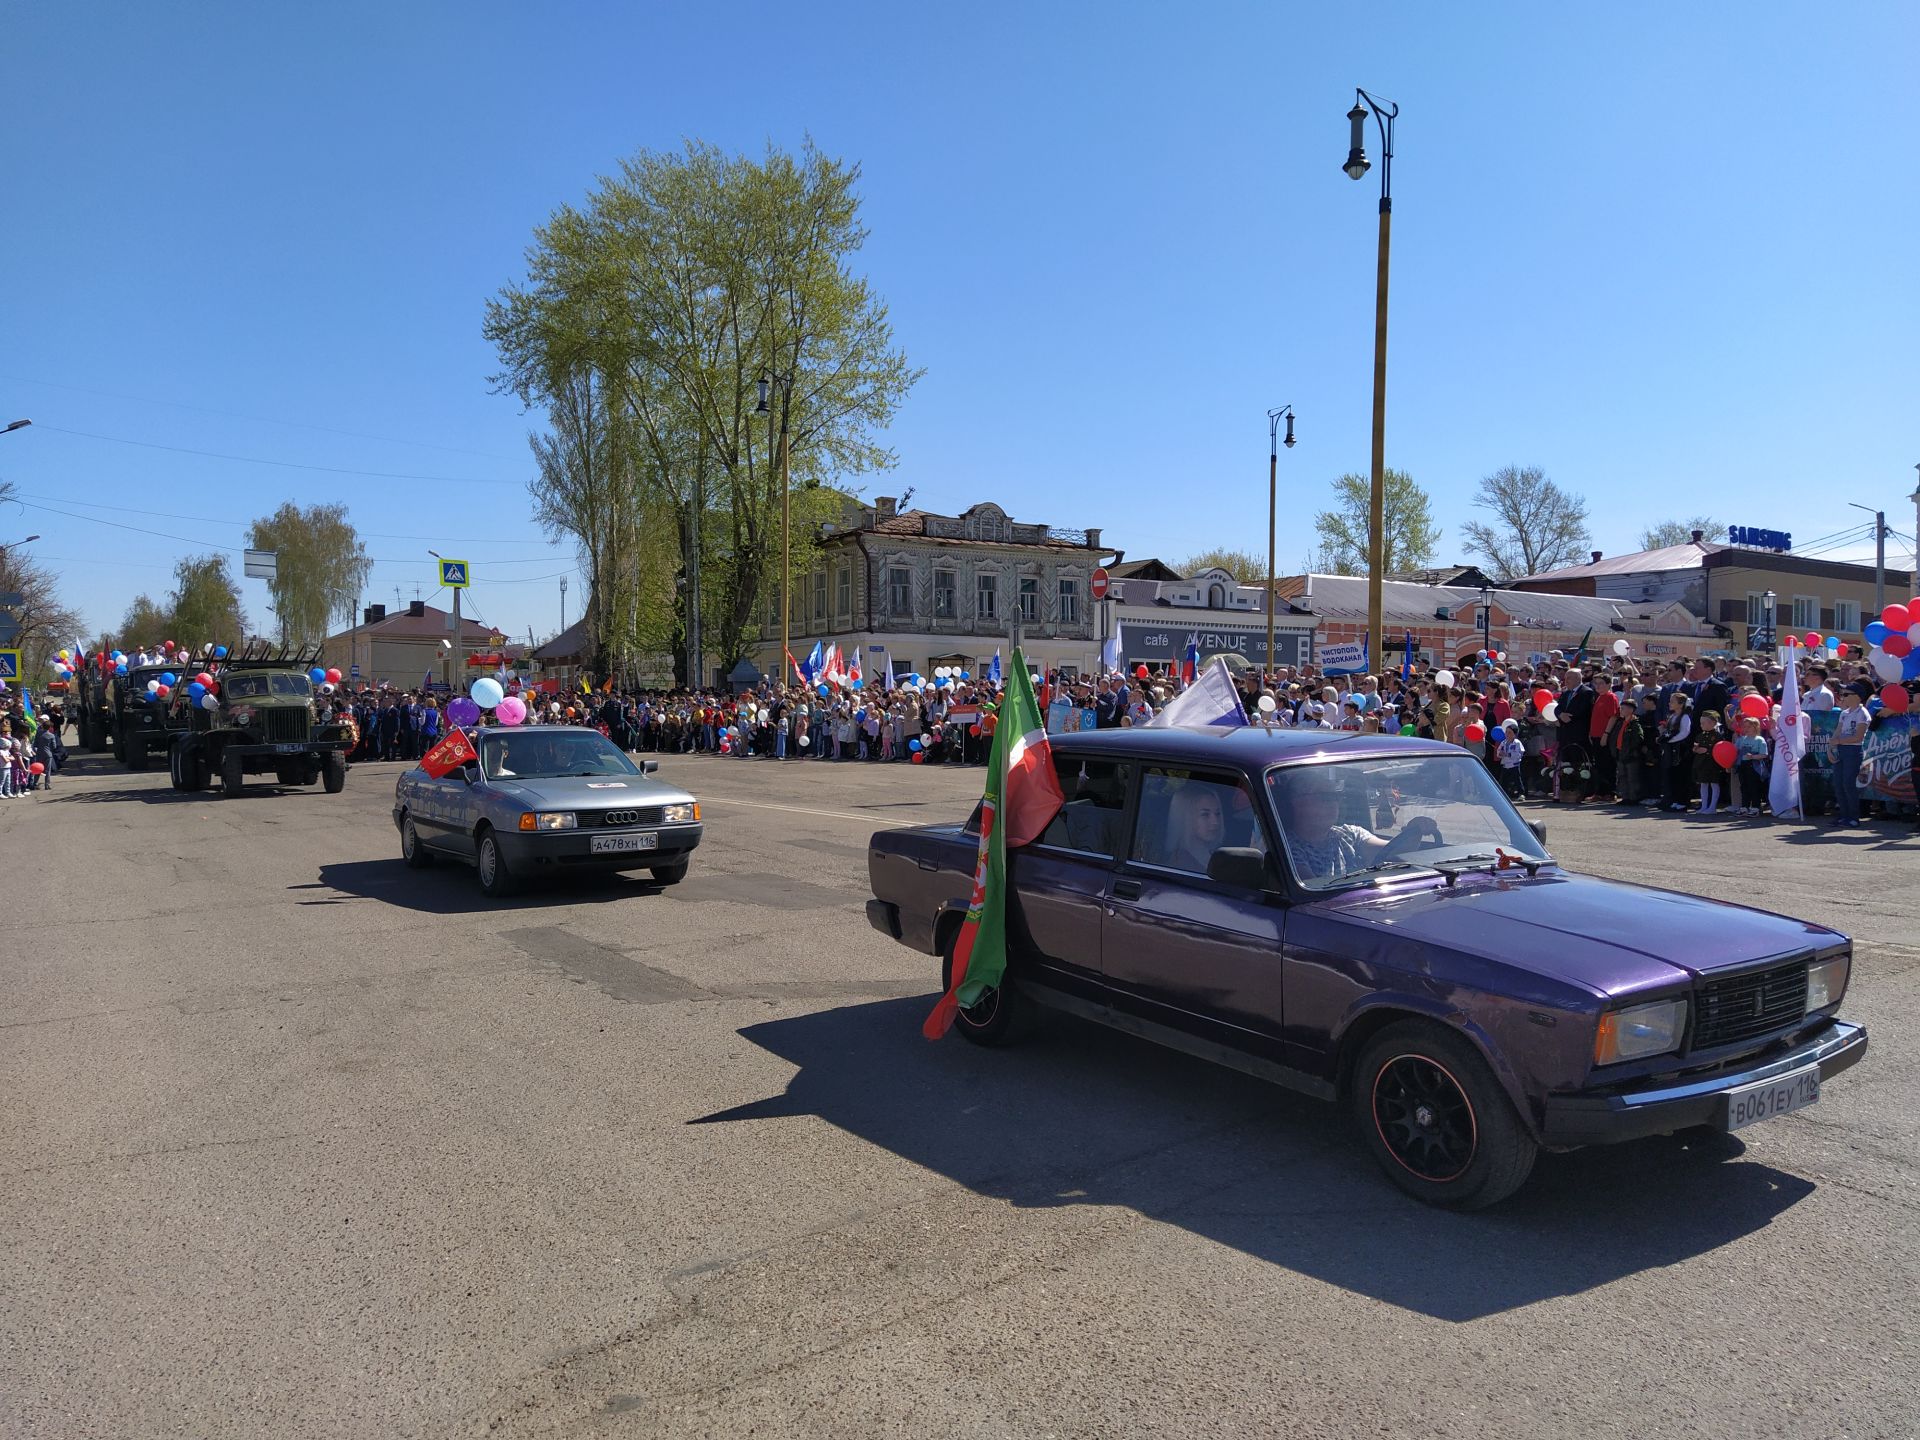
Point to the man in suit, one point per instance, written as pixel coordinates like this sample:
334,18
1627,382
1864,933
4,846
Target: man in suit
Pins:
1708,690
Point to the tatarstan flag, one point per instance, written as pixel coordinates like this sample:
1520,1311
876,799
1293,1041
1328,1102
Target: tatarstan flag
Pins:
1020,801
449,755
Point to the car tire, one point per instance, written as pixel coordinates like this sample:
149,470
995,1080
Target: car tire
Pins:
333,771
1429,1109
495,879
417,856
233,776
671,874
996,1018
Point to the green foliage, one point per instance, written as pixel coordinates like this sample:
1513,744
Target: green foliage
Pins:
203,609
1679,532
322,569
46,626
1343,532
682,282
1247,568
1536,526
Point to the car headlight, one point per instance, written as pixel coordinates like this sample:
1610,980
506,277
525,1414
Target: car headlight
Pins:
1827,982
1639,1030
548,820
681,814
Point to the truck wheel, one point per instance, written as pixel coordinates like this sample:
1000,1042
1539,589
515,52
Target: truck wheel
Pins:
417,856
232,775
287,774
495,881
995,1018
176,773
671,874
136,754
1429,1108
193,767
333,771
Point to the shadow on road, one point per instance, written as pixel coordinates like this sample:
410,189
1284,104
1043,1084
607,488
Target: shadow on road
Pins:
449,888
1084,1116
148,795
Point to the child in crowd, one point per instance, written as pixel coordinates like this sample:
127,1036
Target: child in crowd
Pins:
1708,773
6,760
1512,752
1752,765
1676,734
1630,750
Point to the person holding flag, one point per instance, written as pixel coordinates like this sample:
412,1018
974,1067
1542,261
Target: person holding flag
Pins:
1021,797
1190,662
1790,745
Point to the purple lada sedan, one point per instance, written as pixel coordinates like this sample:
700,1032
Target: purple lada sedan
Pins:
1367,919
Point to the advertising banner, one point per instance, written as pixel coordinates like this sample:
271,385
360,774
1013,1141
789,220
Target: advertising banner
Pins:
1344,659
1064,717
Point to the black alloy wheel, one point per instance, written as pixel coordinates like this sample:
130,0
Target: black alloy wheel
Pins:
1424,1118
993,1019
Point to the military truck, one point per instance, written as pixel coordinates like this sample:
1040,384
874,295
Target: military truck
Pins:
142,725
263,722
89,706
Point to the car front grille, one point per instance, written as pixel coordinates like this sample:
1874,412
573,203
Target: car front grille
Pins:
619,819
1744,1006
282,727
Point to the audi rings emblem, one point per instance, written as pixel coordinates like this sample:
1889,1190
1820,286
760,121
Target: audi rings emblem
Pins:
622,817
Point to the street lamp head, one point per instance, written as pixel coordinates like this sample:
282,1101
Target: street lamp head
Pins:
761,408
16,425
1288,442
1357,162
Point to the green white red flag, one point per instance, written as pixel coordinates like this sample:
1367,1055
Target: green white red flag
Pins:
1021,798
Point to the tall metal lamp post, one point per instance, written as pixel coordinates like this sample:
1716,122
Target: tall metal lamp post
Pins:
1486,618
1915,498
1384,114
563,604
1274,417
767,382
1764,641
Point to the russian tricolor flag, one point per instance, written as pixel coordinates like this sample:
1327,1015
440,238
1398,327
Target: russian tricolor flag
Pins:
1190,662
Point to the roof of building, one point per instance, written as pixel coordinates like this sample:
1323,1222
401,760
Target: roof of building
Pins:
430,624
1688,556
1344,597
1155,569
568,643
914,524
1446,575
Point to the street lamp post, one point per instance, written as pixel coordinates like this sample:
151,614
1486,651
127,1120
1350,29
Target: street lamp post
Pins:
1914,578
786,539
27,541
1767,603
13,425
1384,114
563,604
1274,417
1486,618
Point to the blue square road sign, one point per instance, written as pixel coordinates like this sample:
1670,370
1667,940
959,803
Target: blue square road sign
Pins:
453,574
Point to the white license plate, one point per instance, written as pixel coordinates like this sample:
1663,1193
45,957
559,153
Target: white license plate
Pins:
615,844
290,749
1765,1099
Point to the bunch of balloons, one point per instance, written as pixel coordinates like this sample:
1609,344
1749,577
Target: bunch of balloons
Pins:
1894,649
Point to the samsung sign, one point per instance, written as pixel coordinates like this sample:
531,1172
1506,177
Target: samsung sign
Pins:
1777,540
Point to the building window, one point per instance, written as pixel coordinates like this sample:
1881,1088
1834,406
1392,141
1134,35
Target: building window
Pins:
943,596
899,590
845,587
820,596
1757,617
1806,612
1846,615
1069,602
987,597
1029,601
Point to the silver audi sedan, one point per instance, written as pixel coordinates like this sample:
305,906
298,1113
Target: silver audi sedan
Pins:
545,799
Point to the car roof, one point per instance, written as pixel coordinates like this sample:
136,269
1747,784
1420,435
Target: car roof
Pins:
1252,747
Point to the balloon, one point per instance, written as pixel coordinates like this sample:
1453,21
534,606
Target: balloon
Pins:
1897,645
119,669
326,687
805,741
1407,730
1896,617
1755,707
219,652
1813,641
196,690
1139,672
153,687
317,675
1875,632
36,768
164,691
1910,667
1621,647
1542,698
209,702
1724,754
486,692
973,729
966,675
333,676
1443,677
1267,707
858,684
1887,667
1479,654
1551,714
1896,699
916,757
1476,733
914,744
1913,631
1833,643
510,711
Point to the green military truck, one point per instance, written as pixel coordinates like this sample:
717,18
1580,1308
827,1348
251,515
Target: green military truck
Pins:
262,722
141,724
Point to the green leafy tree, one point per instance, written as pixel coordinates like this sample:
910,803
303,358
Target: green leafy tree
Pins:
1247,568
685,280
322,569
1679,532
1536,525
145,625
205,603
46,625
1343,531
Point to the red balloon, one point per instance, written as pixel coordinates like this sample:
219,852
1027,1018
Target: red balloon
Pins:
1898,646
1724,754
918,756
1896,699
1755,706
333,677
164,691
1542,699
1896,617
1814,642
36,768
973,729
1476,732
1140,671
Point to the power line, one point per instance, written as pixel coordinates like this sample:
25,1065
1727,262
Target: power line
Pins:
211,520
280,464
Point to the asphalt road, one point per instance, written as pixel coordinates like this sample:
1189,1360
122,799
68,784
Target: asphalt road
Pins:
295,1142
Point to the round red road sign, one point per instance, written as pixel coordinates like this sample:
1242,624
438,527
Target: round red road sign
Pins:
1099,584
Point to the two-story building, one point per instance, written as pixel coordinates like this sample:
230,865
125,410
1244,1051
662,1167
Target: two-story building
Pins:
1159,611
932,590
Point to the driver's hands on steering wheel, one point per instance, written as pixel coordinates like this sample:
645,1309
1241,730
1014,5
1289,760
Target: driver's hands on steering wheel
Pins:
1421,828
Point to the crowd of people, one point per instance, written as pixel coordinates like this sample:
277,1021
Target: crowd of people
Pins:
31,752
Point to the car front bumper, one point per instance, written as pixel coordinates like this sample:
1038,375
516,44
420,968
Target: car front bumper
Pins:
1572,1120
528,852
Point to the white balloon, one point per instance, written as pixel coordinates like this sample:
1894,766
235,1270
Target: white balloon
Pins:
209,702
1886,666
1621,647
1443,677
1552,713
1267,707
1913,632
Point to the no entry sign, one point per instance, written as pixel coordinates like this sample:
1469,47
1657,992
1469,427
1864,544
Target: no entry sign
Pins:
1098,585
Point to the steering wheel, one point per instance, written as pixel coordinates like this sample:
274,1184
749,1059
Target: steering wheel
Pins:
1432,840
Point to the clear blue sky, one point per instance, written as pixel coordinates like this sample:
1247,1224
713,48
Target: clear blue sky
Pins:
1667,252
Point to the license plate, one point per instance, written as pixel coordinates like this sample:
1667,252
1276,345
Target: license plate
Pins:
1765,1099
290,749
614,844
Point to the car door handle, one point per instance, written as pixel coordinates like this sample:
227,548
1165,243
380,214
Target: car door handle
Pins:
1126,889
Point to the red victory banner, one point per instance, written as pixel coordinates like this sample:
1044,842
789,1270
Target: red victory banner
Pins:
449,755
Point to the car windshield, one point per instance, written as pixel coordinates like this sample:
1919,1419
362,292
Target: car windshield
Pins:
549,754
1352,818
253,685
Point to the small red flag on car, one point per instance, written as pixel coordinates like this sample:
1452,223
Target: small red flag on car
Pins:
449,755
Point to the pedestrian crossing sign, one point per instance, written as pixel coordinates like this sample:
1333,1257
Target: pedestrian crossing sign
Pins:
453,574
10,666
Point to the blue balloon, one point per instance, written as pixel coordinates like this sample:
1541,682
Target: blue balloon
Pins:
1910,667
169,678
914,744
317,675
1875,705
858,684
120,669
1875,632
196,690
861,713
823,688
966,675
219,652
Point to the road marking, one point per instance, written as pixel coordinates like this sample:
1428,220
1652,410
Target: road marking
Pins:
802,810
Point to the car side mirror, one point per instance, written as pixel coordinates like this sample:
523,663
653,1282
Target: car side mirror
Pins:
1238,865
469,772
647,767
1539,829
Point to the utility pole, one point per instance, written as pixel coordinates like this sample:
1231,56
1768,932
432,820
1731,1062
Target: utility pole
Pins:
563,604
1879,557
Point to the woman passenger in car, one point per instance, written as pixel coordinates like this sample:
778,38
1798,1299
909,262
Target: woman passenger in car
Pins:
1196,826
